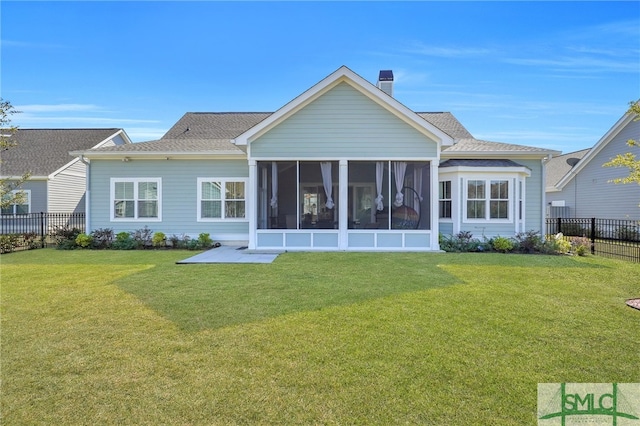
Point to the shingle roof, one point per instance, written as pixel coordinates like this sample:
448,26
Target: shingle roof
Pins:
559,166
476,145
199,132
479,163
446,122
214,125
213,132
185,145
43,151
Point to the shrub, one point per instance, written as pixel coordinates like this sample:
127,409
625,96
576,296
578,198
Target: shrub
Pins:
159,239
192,245
102,238
31,240
528,242
8,242
461,242
557,244
179,241
502,244
84,240
580,245
142,237
124,241
65,237
174,240
205,240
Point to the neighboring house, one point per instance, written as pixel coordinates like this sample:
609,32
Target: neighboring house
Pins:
343,166
58,180
578,186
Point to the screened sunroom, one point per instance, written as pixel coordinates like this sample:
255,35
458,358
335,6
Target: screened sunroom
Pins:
344,204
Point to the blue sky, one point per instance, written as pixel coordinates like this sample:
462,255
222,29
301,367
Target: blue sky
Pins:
549,74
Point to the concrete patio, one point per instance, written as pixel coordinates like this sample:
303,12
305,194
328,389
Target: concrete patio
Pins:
231,254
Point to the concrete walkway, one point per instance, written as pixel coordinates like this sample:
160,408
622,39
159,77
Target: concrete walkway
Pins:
231,254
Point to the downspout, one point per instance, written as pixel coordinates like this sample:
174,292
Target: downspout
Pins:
544,194
87,193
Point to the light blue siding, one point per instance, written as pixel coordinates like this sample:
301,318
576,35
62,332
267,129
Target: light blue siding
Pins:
343,123
275,239
179,195
365,240
420,240
390,240
534,190
446,228
329,240
298,240
533,216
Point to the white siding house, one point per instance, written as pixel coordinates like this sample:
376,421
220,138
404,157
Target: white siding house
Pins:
58,179
343,166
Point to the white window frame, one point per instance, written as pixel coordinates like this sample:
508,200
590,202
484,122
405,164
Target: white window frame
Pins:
487,199
450,200
223,182
135,182
27,193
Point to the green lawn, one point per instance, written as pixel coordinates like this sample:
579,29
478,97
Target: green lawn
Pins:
107,337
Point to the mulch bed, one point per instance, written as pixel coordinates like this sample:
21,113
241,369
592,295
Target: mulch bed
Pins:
634,303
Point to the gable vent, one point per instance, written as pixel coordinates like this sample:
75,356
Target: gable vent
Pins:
385,82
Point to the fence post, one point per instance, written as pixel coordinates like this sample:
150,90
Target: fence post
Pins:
559,226
593,235
42,226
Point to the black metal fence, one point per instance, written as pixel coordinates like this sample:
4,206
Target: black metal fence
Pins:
613,238
34,230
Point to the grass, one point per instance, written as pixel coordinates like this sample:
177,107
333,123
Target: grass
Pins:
314,338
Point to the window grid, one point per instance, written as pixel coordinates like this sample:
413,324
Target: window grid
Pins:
444,195
487,200
221,199
136,199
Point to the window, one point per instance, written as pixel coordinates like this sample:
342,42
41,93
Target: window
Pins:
23,206
476,200
499,202
135,199
221,199
487,200
444,198
520,200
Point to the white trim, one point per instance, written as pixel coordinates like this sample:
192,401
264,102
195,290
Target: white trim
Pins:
251,203
135,218
125,137
493,170
604,141
487,199
162,155
20,177
223,181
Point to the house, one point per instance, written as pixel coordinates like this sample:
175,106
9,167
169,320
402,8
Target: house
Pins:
58,180
343,166
578,186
